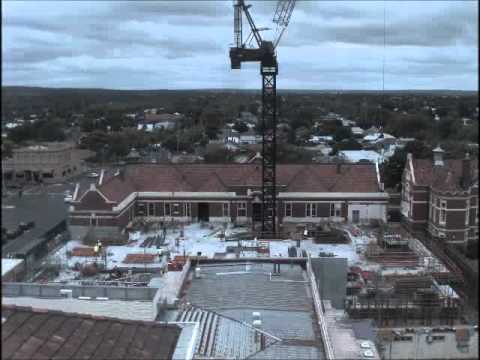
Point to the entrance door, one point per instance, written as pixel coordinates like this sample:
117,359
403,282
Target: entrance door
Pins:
356,216
257,212
203,212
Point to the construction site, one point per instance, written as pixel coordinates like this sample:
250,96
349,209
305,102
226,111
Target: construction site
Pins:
254,264
392,277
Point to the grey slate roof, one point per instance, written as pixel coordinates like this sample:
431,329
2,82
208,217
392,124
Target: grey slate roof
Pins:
284,302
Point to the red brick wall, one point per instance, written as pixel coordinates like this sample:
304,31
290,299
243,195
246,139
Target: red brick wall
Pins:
93,201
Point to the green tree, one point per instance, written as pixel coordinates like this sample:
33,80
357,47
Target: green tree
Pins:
342,133
392,169
217,154
447,127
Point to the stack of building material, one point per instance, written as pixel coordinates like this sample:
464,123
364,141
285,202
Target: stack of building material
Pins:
84,252
408,285
395,258
139,258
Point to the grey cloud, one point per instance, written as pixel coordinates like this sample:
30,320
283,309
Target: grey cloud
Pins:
458,25
160,44
142,10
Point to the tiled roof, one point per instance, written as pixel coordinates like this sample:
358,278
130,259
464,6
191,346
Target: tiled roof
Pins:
218,178
444,178
44,334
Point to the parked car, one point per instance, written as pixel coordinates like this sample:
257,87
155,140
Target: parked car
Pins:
92,175
68,198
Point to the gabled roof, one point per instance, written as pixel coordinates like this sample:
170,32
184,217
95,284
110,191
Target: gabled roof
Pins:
442,178
28,333
221,177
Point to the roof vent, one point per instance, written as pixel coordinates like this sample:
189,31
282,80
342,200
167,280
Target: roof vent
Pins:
438,156
257,323
66,293
365,345
368,354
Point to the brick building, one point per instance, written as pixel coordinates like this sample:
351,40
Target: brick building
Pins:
441,197
228,193
48,162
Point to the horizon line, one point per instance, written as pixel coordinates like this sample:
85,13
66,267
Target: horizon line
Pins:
235,89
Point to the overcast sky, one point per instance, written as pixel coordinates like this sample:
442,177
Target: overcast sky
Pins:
184,45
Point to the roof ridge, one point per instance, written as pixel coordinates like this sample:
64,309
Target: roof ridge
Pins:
85,316
349,168
294,177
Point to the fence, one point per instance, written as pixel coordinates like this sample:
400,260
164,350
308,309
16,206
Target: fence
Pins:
53,291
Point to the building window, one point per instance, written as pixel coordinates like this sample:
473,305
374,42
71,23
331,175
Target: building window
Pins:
141,209
338,210
335,209
226,210
188,209
242,209
311,210
288,209
151,209
443,212
167,209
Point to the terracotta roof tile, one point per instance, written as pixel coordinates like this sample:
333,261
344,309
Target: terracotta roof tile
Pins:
443,178
28,334
214,178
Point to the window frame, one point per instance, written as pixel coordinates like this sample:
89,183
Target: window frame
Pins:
187,209
443,212
150,206
241,206
226,209
288,209
167,205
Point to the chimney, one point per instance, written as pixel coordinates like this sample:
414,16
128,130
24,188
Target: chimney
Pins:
466,171
438,156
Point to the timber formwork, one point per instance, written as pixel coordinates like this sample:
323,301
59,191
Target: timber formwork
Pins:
407,311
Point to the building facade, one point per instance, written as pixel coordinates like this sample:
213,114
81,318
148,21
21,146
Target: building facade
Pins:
48,162
229,194
441,197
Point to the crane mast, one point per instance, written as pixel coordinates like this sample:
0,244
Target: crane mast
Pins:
265,54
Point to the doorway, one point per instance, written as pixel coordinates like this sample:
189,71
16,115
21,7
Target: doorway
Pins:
356,216
257,212
203,212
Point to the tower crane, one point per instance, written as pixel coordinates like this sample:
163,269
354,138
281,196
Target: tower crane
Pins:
264,52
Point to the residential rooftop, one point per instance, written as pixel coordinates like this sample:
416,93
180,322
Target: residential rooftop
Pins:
46,334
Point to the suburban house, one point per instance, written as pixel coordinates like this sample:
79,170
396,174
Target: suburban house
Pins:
227,193
161,121
441,197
